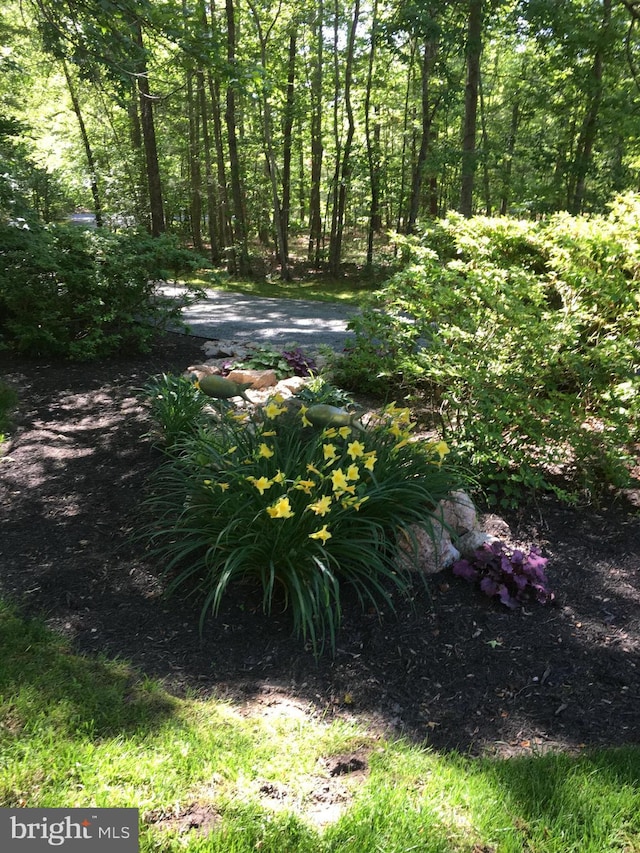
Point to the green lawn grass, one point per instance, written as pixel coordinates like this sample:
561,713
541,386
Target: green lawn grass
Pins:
321,288
83,731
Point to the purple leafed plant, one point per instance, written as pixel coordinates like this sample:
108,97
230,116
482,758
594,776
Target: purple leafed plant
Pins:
512,577
301,364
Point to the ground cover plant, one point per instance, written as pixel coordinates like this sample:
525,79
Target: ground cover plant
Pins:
520,339
301,509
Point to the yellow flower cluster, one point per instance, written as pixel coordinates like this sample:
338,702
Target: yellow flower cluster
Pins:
338,477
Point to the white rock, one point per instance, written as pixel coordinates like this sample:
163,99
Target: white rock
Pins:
458,513
425,551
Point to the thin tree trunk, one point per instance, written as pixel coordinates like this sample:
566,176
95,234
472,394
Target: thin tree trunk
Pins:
267,122
212,214
405,132
195,172
156,205
508,158
239,254
486,186
469,153
287,147
587,138
317,153
88,151
373,143
428,58
335,249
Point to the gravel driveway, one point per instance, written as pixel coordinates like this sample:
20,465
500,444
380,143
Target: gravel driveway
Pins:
241,317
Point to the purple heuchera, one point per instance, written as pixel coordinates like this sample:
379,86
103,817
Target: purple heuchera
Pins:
301,364
512,577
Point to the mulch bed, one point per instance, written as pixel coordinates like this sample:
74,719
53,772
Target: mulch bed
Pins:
454,669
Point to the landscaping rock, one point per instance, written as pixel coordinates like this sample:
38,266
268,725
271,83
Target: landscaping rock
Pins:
458,513
258,378
427,552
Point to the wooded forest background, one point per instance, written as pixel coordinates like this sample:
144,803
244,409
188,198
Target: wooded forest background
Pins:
250,122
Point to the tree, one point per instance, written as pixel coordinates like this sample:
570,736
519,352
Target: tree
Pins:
473,51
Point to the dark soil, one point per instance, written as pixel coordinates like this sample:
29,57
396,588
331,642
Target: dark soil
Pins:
456,669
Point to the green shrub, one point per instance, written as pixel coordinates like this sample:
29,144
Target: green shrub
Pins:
522,340
299,510
81,293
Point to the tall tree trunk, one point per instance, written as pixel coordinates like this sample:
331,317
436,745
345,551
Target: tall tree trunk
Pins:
156,205
428,58
141,189
315,211
287,147
88,151
195,172
335,249
269,153
486,184
405,137
373,143
239,254
508,158
469,153
212,205
587,138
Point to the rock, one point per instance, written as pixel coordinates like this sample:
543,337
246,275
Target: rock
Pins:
200,370
427,552
258,378
225,349
458,513
496,527
471,541
293,384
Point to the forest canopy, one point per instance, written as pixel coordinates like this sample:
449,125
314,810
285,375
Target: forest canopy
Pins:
256,122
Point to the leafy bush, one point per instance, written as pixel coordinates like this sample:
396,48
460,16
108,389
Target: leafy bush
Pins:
512,577
84,293
300,510
177,407
521,338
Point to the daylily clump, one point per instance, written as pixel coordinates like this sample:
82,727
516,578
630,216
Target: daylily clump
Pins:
278,498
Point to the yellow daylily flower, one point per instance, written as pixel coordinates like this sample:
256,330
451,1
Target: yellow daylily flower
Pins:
303,414
322,534
344,431
281,509
395,430
305,486
313,469
269,433
339,481
223,486
279,477
441,448
330,432
207,482
272,410
321,506
370,461
265,450
353,472
329,451
261,484
355,449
